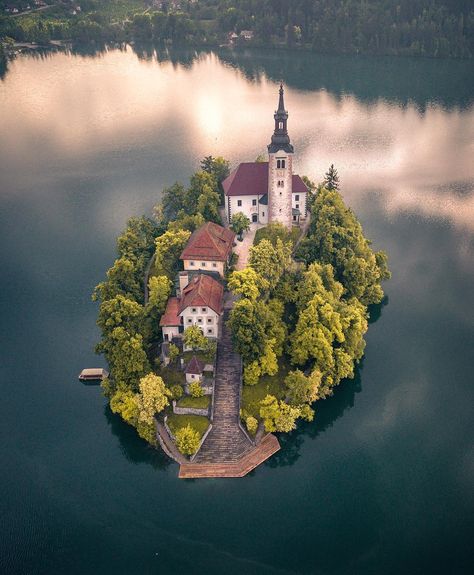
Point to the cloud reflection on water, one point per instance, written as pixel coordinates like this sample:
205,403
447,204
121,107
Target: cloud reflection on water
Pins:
69,110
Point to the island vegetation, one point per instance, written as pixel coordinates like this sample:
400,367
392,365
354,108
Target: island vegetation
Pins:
435,28
298,322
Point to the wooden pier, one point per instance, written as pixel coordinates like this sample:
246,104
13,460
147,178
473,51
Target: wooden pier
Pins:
260,453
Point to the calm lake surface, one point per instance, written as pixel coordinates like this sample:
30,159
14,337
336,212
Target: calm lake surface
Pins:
382,480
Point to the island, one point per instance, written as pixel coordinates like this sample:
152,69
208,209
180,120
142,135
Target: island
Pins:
238,306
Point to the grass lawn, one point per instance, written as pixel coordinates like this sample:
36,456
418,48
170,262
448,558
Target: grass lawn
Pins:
197,422
196,402
171,376
272,233
252,395
204,357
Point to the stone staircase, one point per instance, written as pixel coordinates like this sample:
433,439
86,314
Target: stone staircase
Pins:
226,442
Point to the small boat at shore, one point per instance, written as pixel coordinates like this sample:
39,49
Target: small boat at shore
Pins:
93,374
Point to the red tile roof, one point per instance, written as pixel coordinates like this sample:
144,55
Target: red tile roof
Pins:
251,179
205,291
195,366
171,317
209,242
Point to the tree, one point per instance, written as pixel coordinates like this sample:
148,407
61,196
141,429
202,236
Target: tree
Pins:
208,205
331,179
173,352
118,312
159,289
239,223
194,338
173,201
187,440
335,237
201,183
248,329
278,415
270,261
302,388
195,389
126,357
124,403
247,283
219,168
252,425
152,398
168,249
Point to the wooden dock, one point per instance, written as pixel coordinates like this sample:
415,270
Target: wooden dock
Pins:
260,453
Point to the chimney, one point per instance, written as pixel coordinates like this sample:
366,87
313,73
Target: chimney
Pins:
183,280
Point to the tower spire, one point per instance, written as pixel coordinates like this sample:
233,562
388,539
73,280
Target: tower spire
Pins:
280,139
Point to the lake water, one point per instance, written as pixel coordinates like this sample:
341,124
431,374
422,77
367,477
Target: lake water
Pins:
382,480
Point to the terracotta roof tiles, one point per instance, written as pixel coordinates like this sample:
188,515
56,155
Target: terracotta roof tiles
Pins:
202,291
209,242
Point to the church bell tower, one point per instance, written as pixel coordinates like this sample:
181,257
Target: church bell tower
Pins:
280,169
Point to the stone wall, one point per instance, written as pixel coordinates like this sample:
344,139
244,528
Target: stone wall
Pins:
189,410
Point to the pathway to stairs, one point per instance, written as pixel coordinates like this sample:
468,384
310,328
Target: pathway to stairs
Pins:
226,442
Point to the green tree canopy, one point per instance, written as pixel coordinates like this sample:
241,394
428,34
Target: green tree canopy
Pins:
168,249
194,338
335,237
152,398
270,261
278,415
239,223
187,440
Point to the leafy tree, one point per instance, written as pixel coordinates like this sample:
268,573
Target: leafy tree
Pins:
202,183
247,283
301,388
252,373
208,205
195,389
248,329
331,179
278,415
152,398
194,338
168,249
187,440
176,392
270,261
252,425
173,352
121,279
219,168
186,222
173,201
126,356
118,312
239,223
159,289
335,237
124,403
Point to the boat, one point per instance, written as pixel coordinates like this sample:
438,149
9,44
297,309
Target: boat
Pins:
93,374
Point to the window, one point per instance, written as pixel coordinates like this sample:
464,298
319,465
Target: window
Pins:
191,263
280,125
209,320
297,197
203,264
210,331
283,163
297,206
199,319
263,214
214,265
280,210
190,320
204,309
239,203
193,310
193,376
254,202
278,164
280,193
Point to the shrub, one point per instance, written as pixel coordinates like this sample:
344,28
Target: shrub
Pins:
187,440
195,389
252,425
176,392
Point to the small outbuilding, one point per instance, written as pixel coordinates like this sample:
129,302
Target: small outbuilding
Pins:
194,370
93,374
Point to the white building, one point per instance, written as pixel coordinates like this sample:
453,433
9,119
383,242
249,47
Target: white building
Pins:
269,191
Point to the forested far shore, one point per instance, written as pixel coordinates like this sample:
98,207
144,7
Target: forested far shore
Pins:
432,28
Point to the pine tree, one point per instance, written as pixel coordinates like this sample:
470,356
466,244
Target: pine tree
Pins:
331,179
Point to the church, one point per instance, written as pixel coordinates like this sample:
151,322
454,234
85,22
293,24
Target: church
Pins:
269,192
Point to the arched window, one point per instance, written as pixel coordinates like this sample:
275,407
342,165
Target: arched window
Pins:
283,163
280,125
278,164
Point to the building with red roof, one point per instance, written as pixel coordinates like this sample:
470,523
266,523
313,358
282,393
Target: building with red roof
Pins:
209,249
201,303
269,191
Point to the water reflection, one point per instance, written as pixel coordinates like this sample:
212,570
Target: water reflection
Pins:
327,412
70,108
135,449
